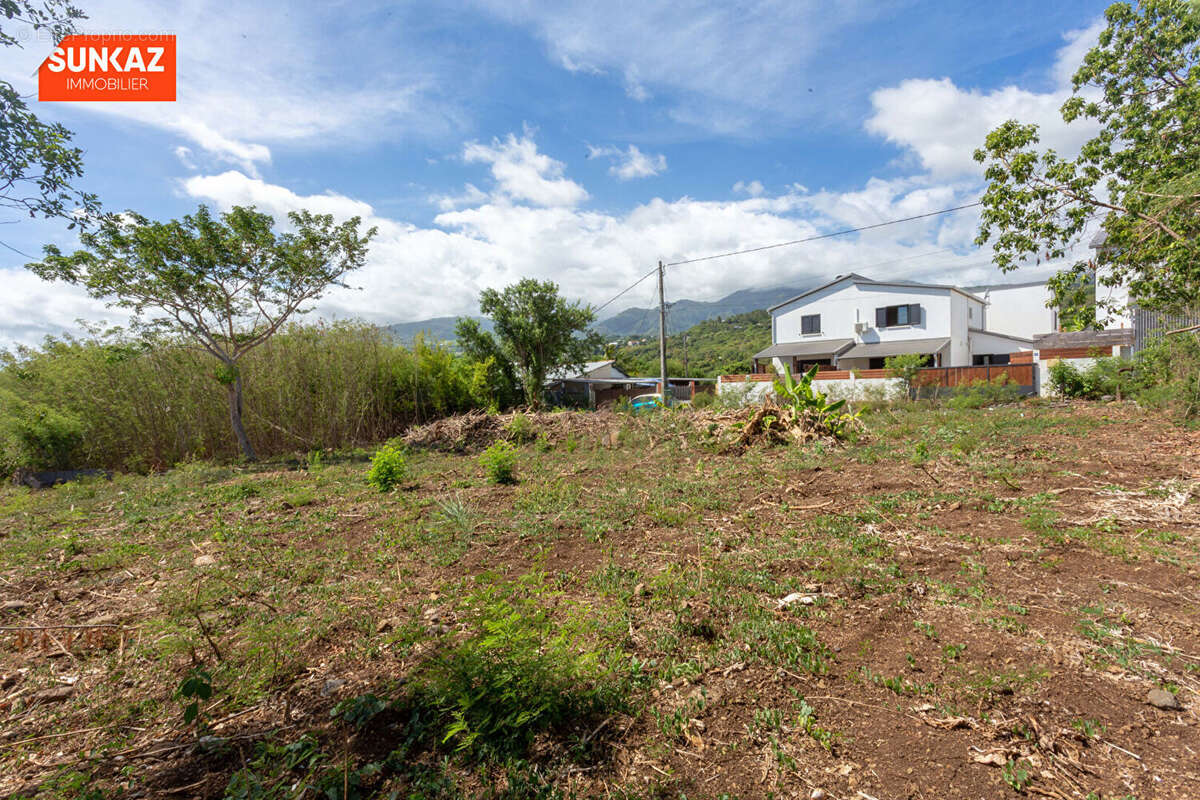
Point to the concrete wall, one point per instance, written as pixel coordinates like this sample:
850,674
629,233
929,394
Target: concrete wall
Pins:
986,342
1018,310
869,389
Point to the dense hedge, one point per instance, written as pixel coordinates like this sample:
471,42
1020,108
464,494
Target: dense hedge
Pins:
112,400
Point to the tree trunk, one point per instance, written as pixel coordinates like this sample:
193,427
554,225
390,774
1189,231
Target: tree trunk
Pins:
234,389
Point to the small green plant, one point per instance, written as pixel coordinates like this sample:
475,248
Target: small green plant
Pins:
810,408
521,429
1016,774
195,689
1090,728
572,442
543,444
499,462
982,393
388,468
456,515
359,711
951,652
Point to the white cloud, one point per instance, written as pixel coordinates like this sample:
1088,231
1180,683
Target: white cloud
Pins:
253,75
221,147
630,163
471,195
940,124
417,272
522,173
753,188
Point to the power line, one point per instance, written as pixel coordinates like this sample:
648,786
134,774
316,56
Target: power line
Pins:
654,270
18,252
820,236
626,289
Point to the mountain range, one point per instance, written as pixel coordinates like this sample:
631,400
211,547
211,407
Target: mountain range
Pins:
632,322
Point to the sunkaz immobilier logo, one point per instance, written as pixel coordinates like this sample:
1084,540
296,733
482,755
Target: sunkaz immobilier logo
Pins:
110,67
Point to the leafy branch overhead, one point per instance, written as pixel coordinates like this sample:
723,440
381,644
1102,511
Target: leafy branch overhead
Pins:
1139,174
38,165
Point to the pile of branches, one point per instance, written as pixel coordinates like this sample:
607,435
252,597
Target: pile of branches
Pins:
772,424
476,430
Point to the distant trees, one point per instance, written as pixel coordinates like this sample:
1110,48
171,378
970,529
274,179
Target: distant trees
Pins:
228,283
536,331
1140,173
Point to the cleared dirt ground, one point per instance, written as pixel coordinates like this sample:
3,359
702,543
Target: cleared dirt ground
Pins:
968,604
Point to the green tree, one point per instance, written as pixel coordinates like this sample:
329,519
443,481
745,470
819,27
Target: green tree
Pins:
535,331
37,162
906,367
1140,174
226,283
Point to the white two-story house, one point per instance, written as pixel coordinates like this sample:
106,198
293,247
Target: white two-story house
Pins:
854,322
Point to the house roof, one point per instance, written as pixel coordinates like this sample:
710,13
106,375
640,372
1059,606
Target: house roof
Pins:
1118,336
854,277
896,347
564,374
818,347
1019,285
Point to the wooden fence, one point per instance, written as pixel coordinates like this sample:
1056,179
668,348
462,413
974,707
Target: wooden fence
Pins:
943,377
950,377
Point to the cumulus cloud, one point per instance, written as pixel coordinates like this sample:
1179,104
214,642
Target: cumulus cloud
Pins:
522,173
415,272
629,163
752,188
940,124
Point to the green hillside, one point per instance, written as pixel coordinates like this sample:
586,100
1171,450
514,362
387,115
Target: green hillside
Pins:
714,347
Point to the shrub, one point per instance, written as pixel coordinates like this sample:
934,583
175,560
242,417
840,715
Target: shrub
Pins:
983,393
905,367
1066,380
500,462
37,436
149,403
515,679
388,468
1167,375
521,429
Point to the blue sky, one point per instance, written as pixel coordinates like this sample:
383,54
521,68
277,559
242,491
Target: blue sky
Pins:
573,141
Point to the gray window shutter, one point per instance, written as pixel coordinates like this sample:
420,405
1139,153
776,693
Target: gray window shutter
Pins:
881,317
914,314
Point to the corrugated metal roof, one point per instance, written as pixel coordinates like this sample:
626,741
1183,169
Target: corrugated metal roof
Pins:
819,347
896,347
1118,336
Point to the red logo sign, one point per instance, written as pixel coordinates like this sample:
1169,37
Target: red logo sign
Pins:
110,67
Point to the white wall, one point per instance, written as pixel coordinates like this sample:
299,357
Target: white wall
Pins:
965,313
872,389
845,303
1018,310
988,342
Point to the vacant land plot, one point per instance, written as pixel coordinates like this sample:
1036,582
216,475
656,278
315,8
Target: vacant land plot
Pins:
965,604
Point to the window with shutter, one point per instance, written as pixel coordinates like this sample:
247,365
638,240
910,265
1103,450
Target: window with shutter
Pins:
893,316
810,323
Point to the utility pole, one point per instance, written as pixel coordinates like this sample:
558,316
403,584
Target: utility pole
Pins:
662,337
